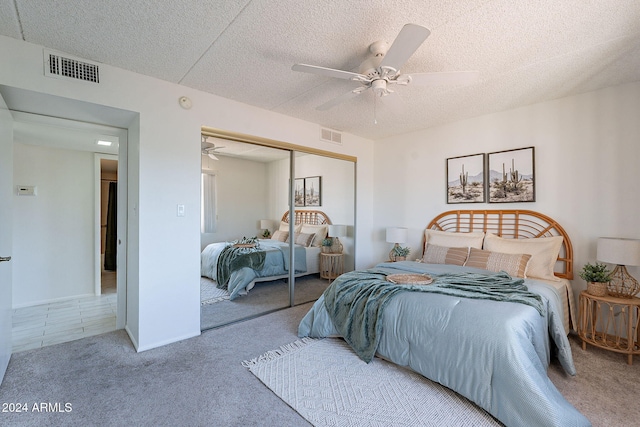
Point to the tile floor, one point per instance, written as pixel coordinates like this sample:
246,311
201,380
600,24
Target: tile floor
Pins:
55,323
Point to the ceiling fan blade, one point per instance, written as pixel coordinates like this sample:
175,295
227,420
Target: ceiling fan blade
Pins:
444,78
341,99
328,72
406,43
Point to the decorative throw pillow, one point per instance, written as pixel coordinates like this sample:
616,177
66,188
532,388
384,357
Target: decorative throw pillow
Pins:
453,240
282,236
303,239
444,255
284,226
514,264
544,253
319,232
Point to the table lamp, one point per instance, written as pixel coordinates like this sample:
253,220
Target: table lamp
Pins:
265,224
335,231
621,252
396,235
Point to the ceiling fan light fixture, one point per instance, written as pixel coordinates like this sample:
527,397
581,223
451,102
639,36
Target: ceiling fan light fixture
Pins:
212,156
379,87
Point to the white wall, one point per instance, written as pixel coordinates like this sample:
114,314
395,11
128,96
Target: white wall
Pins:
241,190
163,266
587,155
53,248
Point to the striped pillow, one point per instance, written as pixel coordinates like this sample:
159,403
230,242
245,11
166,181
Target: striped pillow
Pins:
443,255
514,264
303,239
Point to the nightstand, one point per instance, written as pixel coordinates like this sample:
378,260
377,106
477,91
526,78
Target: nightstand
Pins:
611,323
331,265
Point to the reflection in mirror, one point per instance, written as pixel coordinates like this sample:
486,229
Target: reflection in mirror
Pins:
236,195
245,195
328,187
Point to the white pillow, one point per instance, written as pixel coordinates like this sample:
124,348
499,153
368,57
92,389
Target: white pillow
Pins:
320,232
453,240
280,235
544,253
284,226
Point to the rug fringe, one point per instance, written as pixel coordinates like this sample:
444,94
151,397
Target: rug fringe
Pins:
274,354
214,300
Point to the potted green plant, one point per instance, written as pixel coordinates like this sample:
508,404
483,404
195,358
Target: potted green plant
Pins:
597,277
326,245
398,253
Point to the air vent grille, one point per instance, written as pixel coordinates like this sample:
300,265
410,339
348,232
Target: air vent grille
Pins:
56,65
330,136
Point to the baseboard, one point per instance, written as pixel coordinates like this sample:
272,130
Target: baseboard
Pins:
131,337
163,343
52,300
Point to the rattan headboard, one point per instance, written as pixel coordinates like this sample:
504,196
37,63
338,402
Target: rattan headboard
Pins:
308,217
515,224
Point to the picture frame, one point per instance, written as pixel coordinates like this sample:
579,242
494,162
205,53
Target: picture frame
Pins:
313,191
466,179
512,176
298,192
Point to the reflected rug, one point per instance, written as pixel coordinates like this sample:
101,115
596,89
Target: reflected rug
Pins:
209,294
326,383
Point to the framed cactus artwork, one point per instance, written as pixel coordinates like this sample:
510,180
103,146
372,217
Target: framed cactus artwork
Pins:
512,176
466,179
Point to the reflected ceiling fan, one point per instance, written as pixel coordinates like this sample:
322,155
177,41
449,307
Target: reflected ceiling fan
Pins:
381,71
208,148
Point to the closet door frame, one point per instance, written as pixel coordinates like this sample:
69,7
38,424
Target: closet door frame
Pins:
292,148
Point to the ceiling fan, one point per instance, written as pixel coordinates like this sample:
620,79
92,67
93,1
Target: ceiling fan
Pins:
382,70
208,148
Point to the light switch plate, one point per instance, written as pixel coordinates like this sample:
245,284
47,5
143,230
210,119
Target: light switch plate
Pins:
26,190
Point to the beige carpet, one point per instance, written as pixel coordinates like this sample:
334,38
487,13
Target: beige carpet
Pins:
326,383
606,389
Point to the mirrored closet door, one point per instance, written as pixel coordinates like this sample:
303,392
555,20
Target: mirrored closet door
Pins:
246,233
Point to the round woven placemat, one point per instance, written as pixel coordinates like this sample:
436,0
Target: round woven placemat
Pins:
410,279
244,245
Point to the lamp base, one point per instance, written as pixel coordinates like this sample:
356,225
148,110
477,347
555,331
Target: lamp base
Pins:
336,246
622,284
392,256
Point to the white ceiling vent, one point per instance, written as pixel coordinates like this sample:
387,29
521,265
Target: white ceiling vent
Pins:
60,66
330,136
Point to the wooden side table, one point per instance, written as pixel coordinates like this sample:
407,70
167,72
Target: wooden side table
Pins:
611,323
331,265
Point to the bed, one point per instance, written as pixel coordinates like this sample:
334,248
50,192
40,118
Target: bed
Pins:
491,340
310,228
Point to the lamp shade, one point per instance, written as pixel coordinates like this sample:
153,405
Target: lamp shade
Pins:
397,235
618,251
265,224
337,230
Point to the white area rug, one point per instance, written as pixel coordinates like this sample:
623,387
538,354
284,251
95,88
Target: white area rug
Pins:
326,383
209,294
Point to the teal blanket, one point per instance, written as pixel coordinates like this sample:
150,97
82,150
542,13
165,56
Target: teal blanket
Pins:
232,259
356,300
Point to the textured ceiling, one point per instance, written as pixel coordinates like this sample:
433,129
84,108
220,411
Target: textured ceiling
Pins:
525,51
